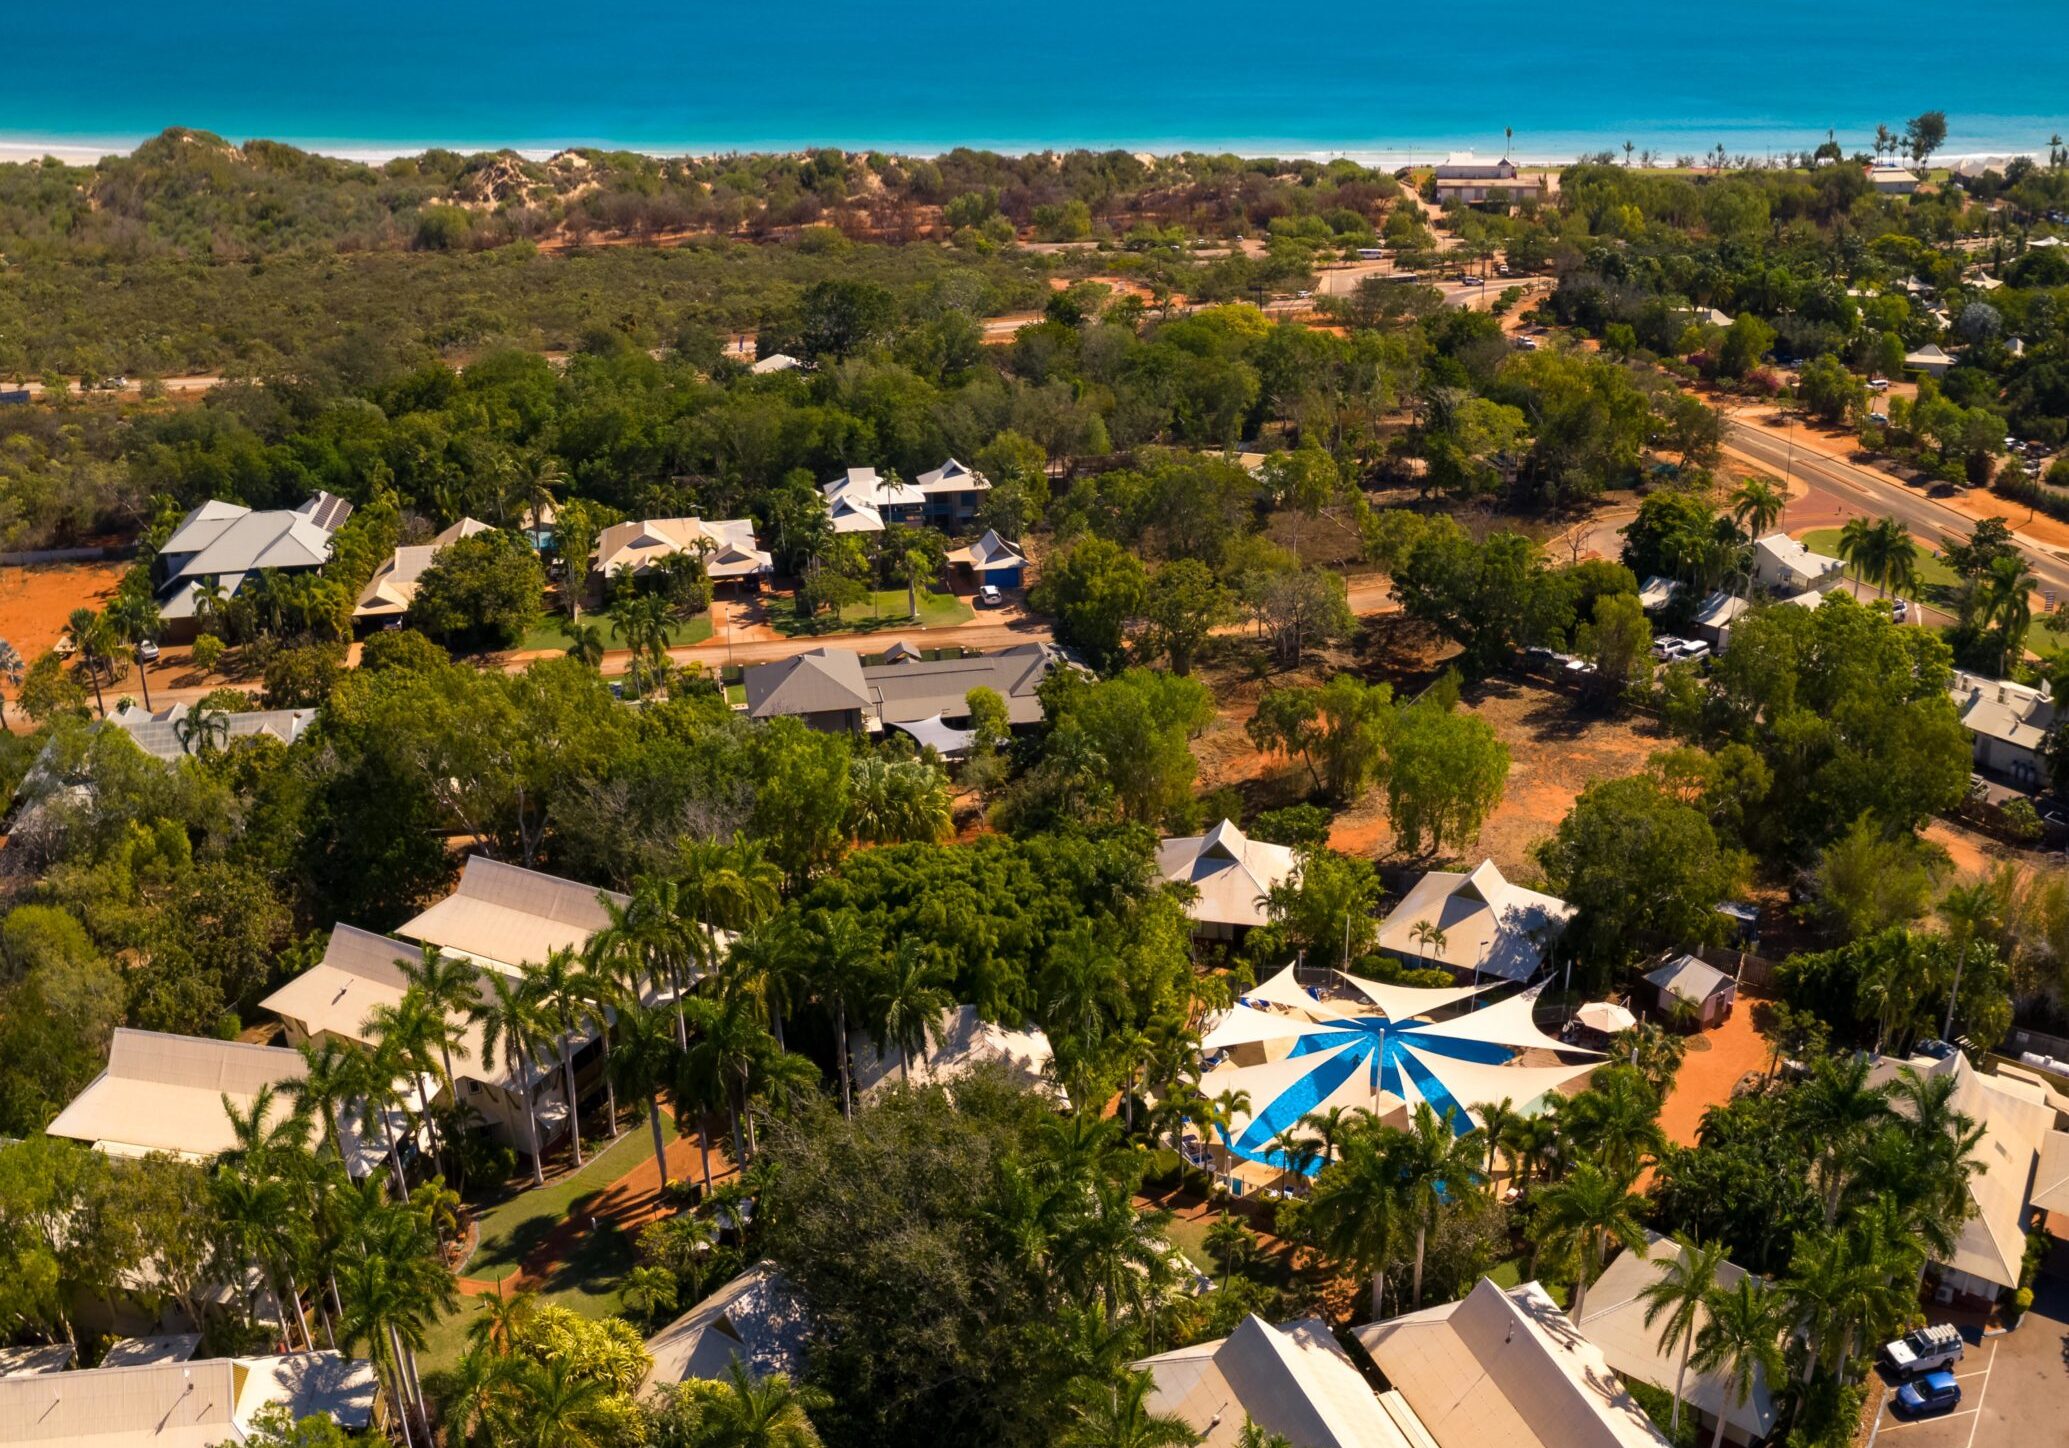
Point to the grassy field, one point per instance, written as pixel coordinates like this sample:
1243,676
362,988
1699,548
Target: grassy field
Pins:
885,610
553,634
512,1229
1934,576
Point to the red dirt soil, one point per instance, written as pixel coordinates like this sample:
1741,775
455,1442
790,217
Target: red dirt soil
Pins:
36,600
1715,1062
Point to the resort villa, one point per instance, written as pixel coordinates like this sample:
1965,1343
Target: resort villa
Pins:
221,545
951,494
1461,180
991,559
2008,726
862,500
1230,874
1475,924
1506,1369
727,548
177,1403
2021,1117
754,1321
960,1041
1613,1319
389,592
833,690
158,731
1293,1380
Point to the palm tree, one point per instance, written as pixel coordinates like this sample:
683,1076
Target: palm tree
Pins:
1756,506
1434,1163
134,618
1430,937
1899,557
1230,1243
202,728
770,1412
1681,1294
1840,1105
556,990
844,953
1742,1340
510,1023
408,1034
94,641
1118,1415
1580,1214
531,486
475,1402
642,620
1355,1210
210,603
585,644
1615,1121
503,1321
644,1060
1861,545
385,1305
1971,912
2008,601
559,1407
1497,1125
732,886
327,1085
1839,1281
907,1008
450,986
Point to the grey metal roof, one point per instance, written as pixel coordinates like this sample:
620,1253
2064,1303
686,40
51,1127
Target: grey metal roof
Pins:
820,681
156,732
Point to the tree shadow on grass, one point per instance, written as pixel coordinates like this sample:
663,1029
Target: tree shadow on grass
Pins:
596,1264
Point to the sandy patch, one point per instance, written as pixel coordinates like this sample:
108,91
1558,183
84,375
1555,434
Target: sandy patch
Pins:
36,600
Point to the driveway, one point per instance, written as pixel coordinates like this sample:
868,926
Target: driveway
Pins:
2014,1387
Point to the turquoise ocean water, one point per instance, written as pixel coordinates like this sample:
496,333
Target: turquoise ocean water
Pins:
925,75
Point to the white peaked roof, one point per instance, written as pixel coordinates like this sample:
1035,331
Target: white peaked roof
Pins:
1615,1322
1231,871
1489,925
1720,610
938,734
989,554
755,1320
393,587
2017,1121
1930,355
1509,1023
510,916
775,362
952,477
157,731
1507,1370
1689,979
2051,1177
852,515
1292,1380
963,1040
1658,592
1795,555
866,487
1244,1025
728,544
184,1404
1281,990
165,1093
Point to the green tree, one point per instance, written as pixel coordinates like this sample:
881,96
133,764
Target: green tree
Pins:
1742,1340
482,591
1677,1298
1580,1214
1183,605
1093,588
1445,775
1618,641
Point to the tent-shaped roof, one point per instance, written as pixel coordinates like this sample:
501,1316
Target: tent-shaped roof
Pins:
989,554
952,477
165,1093
1489,926
1615,1323
937,734
1403,1001
510,916
1231,872
961,1041
754,1320
1292,1380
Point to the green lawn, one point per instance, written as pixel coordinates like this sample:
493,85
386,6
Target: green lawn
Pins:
1509,1273
1934,576
886,609
553,633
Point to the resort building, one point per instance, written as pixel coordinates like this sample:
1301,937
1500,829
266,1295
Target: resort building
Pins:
727,548
1931,359
832,689
1463,180
158,731
1477,924
501,915
174,1094
388,593
1892,180
1682,982
1715,615
1785,567
861,500
2008,726
1293,1380
755,1320
991,559
951,493
222,545
1506,1369
1614,1321
961,1041
1230,873
2020,1118
182,1404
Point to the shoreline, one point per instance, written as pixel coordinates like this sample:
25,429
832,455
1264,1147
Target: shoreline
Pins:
88,150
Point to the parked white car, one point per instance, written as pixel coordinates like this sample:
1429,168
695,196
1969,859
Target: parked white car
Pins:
1924,1350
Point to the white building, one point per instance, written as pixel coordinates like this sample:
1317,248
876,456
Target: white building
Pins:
1785,567
1487,925
1232,874
389,593
185,1404
2008,725
727,547
1293,1380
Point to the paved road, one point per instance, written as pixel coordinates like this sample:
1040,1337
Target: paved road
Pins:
1875,493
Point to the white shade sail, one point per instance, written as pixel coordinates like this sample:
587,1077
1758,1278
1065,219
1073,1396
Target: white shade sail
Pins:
1403,1001
1507,1022
1242,1025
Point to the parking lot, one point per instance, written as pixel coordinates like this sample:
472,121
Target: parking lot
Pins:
2014,1387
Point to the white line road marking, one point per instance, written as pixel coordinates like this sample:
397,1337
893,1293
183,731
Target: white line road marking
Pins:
1896,1422
1980,1397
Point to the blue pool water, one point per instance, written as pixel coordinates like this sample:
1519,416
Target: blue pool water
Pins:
923,75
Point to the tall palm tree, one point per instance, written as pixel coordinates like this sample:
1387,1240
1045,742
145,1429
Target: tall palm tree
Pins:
556,991
732,886
385,1305
1971,912
409,1034
475,1402
1580,1214
1861,545
1355,1210
906,1009
585,644
1615,1121
134,618
1756,506
1680,1294
327,1085
377,1098
642,621
1430,938
94,641
1497,1125
644,1060
2008,602
770,1412
1899,557
202,729
1436,1164
605,992
1118,1415
845,954
511,1025
450,986
1742,1340
1840,1106
652,929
